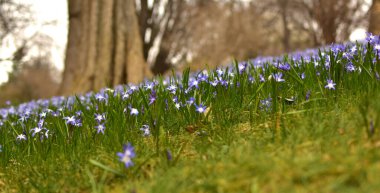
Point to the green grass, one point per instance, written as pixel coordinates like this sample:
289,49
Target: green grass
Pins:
324,144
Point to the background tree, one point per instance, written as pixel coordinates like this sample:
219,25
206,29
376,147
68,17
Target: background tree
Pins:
374,22
31,75
315,22
104,46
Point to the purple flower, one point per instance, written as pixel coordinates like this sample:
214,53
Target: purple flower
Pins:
152,97
219,71
149,85
194,83
350,67
303,75
308,95
172,88
70,120
36,130
78,123
78,113
242,66
200,108
41,123
21,137
377,47
43,115
100,97
330,84
203,77
278,77
284,67
353,49
370,37
261,77
132,88
134,111
266,104
100,128
125,95
190,101
127,155
100,117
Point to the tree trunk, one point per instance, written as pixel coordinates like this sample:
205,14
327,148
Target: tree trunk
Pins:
104,46
285,24
374,21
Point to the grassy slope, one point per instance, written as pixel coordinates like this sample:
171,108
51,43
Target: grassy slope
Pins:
320,145
325,151
320,151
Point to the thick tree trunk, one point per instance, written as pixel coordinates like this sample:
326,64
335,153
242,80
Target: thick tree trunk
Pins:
326,17
104,46
374,21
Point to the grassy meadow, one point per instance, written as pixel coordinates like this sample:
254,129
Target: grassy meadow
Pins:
303,122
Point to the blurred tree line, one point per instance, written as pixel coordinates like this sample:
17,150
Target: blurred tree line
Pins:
117,41
32,71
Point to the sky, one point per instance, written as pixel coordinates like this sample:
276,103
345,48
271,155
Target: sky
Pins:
45,11
56,11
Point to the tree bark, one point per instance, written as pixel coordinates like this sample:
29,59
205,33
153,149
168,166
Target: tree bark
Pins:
285,24
374,21
104,46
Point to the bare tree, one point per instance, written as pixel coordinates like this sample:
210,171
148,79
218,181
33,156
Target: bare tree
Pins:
329,21
104,46
11,21
374,22
157,22
315,22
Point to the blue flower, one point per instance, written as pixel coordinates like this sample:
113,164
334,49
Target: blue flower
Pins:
278,77
303,76
242,66
200,108
350,67
330,84
370,37
100,97
21,137
307,97
134,111
127,155
266,104
261,77
100,128
284,67
190,101
125,95
172,88
149,85
152,97
70,120
100,117
36,130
